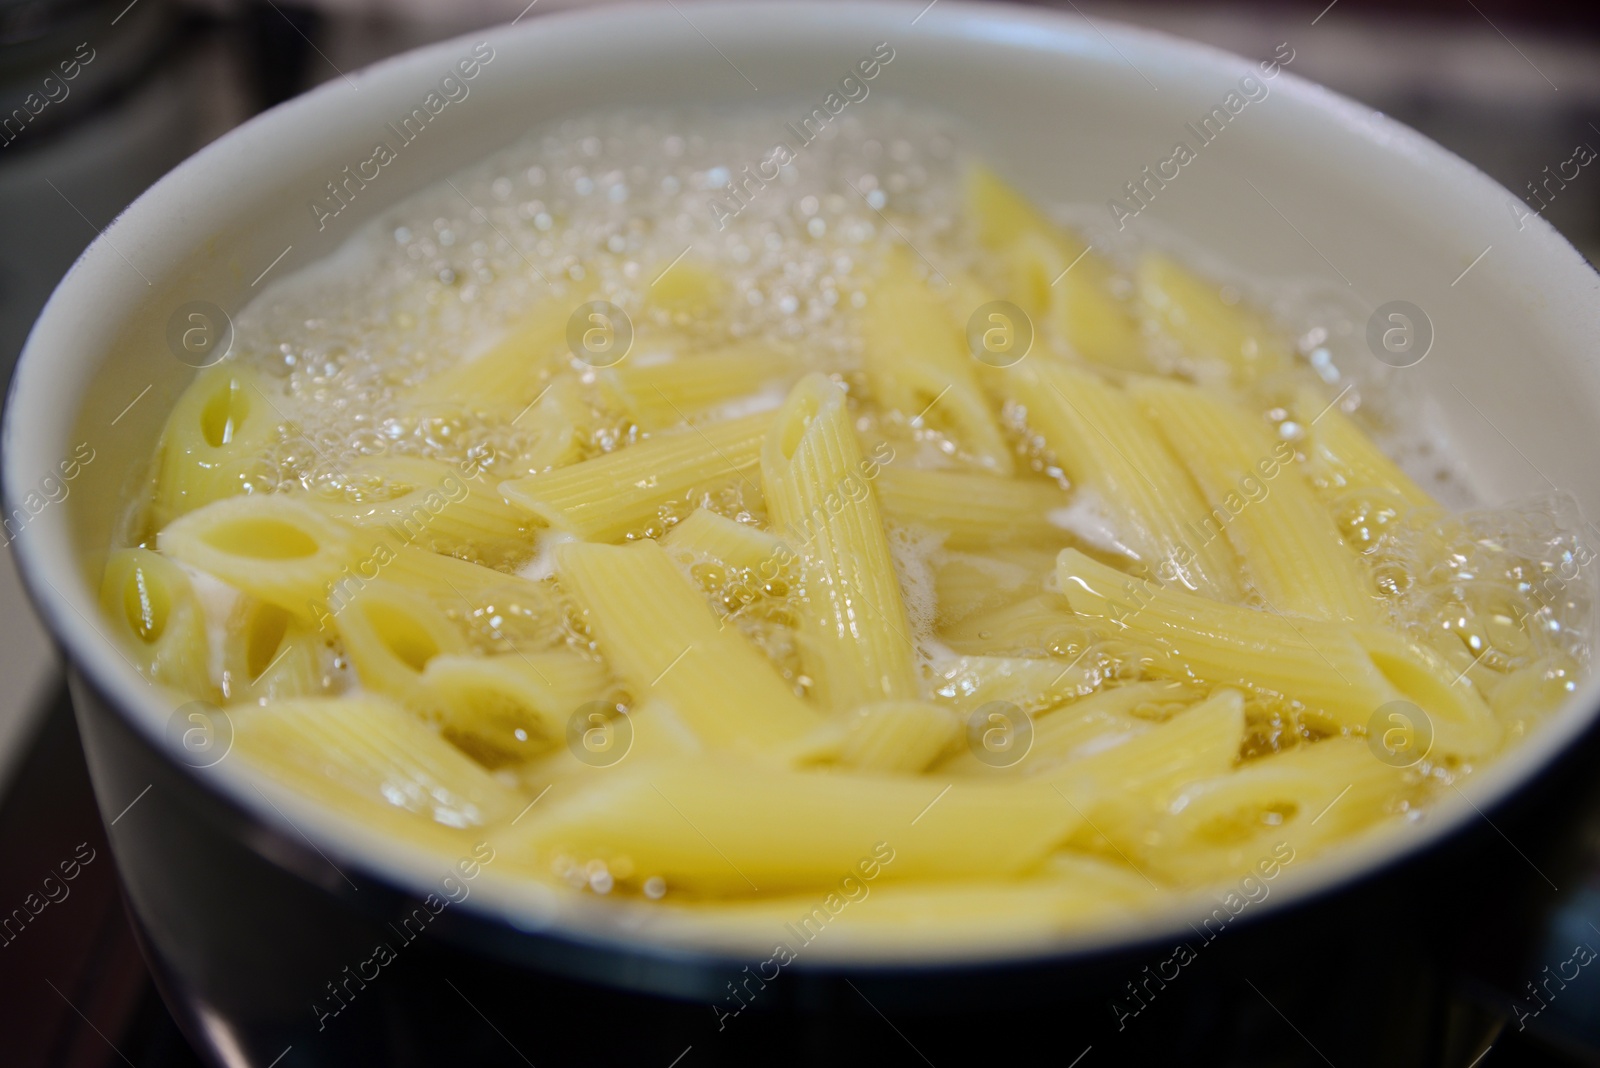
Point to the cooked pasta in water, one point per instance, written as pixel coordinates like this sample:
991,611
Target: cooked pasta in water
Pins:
710,537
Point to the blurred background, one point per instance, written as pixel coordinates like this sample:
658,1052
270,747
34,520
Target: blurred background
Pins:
99,99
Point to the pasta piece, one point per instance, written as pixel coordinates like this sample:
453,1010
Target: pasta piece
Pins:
513,607
1070,728
706,534
854,634
670,392
1342,676
973,511
622,492
967,583
917,363
390,634
267,655
659,635
1055,278
1297,801
966,682
1130,777
649,733
1115,457
213,441
1149,766
864,915
1524,694
156,617
1343,457
371,759
502,710
502,613
1191,312
687,290
507,376
1292,552
722,829
432,505
1053,275
273,546
1040,626
561,418
897,736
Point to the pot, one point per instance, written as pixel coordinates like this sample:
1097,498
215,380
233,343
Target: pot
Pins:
260,913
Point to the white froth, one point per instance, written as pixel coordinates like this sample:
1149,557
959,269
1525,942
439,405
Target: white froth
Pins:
1087,519
218,601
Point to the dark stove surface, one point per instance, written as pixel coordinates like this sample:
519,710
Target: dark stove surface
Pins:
74,991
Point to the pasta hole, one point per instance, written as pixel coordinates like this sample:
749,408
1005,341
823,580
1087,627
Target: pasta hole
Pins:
407,639
1243,824
224,415
267,629
261,538
148,605
798,420
502,730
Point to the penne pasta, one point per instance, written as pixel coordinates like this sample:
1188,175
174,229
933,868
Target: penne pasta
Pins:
720,829
267,655
367,754
508,375
1300,799
705,534
507,709
1076,726
666,393
967,682
213,441
1118,463
659,635
1343,458
1194,317
622,492
1285,540
918,365
1341,676
967,583
390,634
973,511
1040,626
433,506
854,632
275,547
1055,278
157,619
897,736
